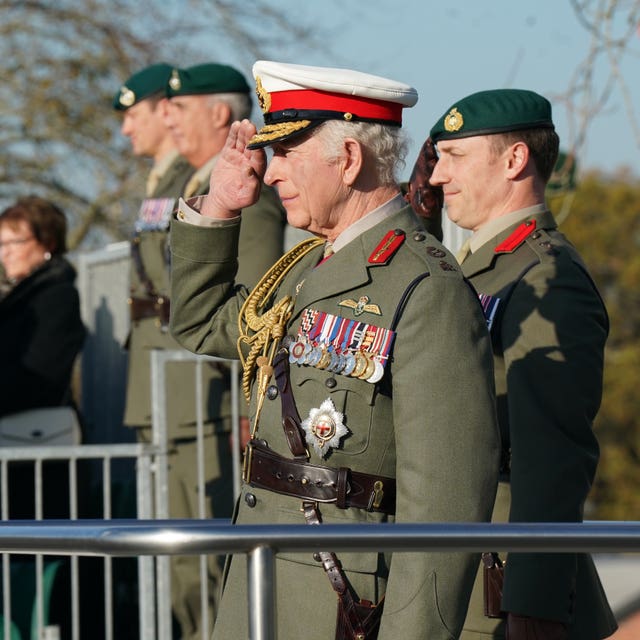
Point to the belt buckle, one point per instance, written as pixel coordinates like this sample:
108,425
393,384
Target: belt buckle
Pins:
375,500
248,459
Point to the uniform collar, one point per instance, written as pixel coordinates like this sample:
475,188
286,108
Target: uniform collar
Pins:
497,226
368,221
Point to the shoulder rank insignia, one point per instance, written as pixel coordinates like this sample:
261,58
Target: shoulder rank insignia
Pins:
387,247
517,237
361,306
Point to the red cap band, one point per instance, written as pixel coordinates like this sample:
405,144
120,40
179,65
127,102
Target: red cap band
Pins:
311,100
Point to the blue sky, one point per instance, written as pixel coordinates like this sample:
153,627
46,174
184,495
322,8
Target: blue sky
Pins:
450,49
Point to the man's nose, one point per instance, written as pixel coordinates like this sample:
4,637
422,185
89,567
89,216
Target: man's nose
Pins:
436,177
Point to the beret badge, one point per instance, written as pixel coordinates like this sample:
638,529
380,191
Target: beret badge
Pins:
174,80
127,97
453,121
264,98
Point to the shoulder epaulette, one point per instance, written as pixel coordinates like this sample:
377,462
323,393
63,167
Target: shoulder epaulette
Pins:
520,234
387,247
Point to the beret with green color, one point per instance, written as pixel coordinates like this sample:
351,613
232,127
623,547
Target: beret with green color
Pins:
203,79
142,84
493,111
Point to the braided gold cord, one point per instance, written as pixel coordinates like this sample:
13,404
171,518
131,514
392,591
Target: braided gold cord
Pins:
263,331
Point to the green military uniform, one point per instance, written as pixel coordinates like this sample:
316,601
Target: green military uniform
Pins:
429,422
548,334
548,327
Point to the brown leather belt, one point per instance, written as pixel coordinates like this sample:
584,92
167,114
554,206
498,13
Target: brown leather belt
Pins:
265,469
141,308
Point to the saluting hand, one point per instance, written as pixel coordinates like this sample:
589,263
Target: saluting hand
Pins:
237,174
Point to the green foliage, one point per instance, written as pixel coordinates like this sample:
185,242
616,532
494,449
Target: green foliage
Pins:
604,224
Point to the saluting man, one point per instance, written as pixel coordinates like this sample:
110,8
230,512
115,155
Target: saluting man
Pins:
548,324
365,343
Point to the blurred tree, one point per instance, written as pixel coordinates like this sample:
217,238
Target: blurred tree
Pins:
605,227
63,61
598,82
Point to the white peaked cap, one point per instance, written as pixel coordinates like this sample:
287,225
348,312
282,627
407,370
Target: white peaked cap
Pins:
296,97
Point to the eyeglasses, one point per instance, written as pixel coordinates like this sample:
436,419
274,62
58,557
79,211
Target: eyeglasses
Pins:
7,243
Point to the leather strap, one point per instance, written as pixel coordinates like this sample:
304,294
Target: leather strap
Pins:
143,276
290,415
337,579
141,308
266,469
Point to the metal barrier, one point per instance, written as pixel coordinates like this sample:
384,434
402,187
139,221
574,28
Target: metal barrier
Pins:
159,393
140,457
148,462
261,543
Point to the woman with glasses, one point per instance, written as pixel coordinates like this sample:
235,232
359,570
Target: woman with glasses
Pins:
41,332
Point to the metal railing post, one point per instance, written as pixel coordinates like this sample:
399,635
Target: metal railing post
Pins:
261,590
160,430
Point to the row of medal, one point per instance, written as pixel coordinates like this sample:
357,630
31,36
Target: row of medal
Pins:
341,345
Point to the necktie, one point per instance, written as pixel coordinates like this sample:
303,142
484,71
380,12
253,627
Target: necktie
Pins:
152,182
464,251
192,186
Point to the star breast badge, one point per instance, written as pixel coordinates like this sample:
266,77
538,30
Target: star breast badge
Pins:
324,427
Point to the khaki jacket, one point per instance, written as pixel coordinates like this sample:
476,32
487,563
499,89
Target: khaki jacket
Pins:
430,423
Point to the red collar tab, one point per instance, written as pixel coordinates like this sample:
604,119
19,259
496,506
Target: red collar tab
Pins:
517,237
387,247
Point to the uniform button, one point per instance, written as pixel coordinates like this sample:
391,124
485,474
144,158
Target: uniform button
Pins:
331,383
535,235
435,252
419,236
272,392
316,557
250,499
287,341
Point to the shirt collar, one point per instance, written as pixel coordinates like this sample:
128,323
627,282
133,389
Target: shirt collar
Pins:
368,221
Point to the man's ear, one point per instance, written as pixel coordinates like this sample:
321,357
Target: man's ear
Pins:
352,161
517,159
221,114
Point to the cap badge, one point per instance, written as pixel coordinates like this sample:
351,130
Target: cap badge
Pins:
264,98
127,97
453,121
324,427
174,80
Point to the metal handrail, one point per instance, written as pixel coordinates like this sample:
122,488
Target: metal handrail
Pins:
262,542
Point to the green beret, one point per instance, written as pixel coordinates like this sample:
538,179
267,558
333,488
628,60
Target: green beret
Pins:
205,79
141,85
495,111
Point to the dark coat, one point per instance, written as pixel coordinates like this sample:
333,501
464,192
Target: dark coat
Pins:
42,334
548,335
